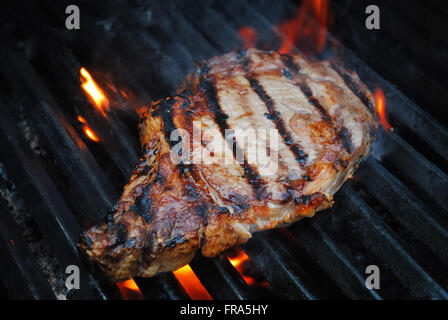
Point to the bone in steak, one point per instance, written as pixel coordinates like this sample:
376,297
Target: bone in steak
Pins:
322,117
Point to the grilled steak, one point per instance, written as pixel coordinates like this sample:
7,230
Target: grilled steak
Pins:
320,117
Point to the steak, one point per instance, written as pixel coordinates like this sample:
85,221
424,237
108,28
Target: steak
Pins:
202,181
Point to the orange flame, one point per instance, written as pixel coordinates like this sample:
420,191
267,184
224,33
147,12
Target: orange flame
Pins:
88,131
82,120
191,283
380,100
124,94
94,91
249,37
130,290
91,134
301,26
238,261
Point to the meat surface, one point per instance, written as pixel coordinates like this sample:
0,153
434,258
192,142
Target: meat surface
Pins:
313,121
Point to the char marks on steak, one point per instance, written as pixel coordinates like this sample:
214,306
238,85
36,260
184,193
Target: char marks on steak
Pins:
322,117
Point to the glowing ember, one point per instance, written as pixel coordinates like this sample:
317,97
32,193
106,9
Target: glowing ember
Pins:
302,26
380,100
124,94
130,290
82,120
90,134
239,260
94,91
191,283
249,37
88,131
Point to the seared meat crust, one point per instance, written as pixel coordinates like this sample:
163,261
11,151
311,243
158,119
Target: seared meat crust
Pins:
323,120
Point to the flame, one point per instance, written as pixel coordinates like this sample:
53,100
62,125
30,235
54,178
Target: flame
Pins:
191,283
380,100
91,134
124,94
239,261
249,37
87,130
94,91
130,290
301,26
119,98
82,120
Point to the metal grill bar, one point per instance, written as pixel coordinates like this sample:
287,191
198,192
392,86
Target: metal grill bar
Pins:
333,260
404,112
45,203
420,174
278,266
25,279
405,206
372,233
221,279
60,135
212,25
164,286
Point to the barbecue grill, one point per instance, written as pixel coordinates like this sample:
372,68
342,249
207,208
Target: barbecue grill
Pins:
64,161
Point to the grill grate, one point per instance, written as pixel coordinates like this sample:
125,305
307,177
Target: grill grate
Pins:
393,214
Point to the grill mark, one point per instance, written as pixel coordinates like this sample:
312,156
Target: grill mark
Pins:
295,68
143,205
142,167
313,101
250,173
290,64
310,199
301,156
354,88
345,137
120,232
343,134
165,111
177,240
286,73
202,212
